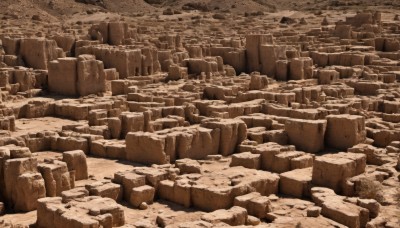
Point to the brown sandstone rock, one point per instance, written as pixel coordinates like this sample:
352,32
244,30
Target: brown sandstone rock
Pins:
76,160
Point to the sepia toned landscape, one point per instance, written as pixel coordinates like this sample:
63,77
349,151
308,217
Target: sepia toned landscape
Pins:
199,114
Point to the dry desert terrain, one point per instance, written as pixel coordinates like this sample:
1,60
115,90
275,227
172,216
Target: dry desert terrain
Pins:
208,113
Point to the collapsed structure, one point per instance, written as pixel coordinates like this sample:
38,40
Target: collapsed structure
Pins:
228,126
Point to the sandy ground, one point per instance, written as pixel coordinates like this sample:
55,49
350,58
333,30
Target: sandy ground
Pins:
35,125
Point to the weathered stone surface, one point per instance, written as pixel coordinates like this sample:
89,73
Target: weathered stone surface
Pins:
76,160
245,113
345,131
88,211
306,135
235,216
332,171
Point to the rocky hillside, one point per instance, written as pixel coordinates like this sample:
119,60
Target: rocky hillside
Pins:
268,5
56,9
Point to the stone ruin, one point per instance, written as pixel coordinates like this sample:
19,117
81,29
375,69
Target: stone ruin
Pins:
254,124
